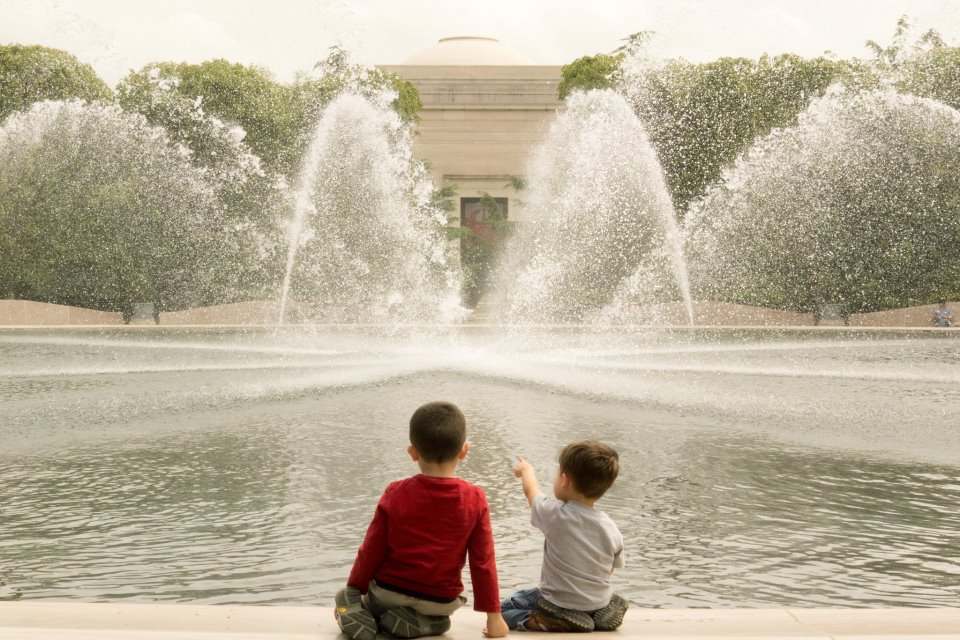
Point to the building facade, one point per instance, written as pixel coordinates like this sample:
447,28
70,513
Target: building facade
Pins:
485,107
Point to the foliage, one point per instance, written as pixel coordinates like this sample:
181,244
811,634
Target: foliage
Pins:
340,75
857,205
702,116
589,72
190,100
99,209
211,108
933,74
901,47
924,66
277,119
312,92
174,97
30,74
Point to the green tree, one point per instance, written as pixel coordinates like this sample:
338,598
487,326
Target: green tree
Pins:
277,120
311,92
702,116
340,74
29,74
195,102
250,195
933,74
99,209
603,70
589,72
857,205
923,65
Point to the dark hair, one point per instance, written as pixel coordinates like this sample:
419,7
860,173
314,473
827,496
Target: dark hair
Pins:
592,466
438,431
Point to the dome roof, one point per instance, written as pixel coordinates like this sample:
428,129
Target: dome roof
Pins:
469,50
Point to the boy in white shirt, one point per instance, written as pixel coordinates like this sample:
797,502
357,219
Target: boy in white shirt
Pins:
582,546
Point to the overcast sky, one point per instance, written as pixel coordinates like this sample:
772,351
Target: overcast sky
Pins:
287,36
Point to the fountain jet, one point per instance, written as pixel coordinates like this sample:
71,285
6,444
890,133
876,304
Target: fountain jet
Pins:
601,232
366,245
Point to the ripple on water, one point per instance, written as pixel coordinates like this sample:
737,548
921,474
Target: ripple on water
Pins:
256,485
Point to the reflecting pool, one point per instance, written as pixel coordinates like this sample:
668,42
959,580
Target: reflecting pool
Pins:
222,466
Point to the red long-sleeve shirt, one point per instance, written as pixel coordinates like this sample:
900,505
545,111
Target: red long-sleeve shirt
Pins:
419,538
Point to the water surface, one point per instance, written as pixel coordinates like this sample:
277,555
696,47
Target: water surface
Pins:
759,468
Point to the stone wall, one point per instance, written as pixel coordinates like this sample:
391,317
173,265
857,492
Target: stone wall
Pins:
921,316
254,312
737,315
27,312
265,312
718,314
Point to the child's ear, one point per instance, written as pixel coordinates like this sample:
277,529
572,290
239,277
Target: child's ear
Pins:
564,480
463,451
414,454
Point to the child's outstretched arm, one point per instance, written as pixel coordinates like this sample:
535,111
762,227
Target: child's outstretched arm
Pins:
524,471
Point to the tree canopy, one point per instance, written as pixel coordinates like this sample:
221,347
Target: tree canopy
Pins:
277,119
701,116
242,96
858,205
33,73
98,209
590,72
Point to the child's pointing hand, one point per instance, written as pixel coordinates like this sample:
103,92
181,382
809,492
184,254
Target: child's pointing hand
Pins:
522,465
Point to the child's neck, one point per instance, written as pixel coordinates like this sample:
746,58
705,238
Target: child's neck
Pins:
575,496
446,469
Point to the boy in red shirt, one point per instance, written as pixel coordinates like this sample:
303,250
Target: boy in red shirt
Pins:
406,578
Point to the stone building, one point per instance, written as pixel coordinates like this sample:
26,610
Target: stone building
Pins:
485,106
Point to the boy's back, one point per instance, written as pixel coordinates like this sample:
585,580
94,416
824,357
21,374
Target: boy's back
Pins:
582,547
433,523
406,578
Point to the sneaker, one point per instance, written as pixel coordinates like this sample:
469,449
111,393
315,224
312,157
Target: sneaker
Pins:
404,622
610,617
356,622
550,617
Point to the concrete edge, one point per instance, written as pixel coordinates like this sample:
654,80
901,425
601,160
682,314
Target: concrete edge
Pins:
48,620
571,327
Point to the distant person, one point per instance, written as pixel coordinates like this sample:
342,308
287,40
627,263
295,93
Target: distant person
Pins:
942,314
815,302
406,577
582,546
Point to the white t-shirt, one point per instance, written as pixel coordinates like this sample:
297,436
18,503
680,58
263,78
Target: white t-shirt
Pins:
581,548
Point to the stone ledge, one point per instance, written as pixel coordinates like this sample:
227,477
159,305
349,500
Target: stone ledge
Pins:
42,620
